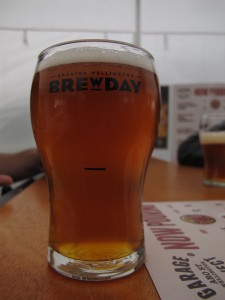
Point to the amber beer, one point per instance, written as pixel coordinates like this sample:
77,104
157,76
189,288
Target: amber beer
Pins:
95,110
213,146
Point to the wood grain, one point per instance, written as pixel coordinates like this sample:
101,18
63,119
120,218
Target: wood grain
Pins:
24,271
172,182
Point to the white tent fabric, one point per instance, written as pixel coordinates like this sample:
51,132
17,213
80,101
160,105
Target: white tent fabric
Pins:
187,39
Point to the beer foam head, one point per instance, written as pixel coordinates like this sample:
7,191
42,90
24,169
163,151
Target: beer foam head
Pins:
212,137
99,51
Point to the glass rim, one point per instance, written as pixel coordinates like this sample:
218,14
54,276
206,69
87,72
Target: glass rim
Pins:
48,50
213,114
212,122
212,117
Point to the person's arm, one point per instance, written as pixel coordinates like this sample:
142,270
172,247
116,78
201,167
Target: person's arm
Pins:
20,165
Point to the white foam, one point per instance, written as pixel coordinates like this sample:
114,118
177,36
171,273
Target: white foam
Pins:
95,53
212,137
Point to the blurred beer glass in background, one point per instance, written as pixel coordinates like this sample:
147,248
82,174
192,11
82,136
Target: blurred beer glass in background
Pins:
95,111
212,139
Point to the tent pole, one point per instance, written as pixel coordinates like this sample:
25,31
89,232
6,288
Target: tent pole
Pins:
137,23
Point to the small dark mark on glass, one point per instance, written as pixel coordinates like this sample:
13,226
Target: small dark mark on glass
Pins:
94,169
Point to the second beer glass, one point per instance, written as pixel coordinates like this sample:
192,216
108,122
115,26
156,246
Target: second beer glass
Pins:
212,139
95,110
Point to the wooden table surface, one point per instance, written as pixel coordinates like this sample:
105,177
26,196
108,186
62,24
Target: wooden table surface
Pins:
24,271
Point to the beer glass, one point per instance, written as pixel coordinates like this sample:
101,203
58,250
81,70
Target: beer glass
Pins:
95,110
212,139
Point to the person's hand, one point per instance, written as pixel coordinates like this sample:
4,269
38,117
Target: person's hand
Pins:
20,165
5,180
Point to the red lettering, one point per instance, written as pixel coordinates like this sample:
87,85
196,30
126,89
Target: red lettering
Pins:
180,246
201,92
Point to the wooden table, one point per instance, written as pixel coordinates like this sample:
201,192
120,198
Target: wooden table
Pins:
24,271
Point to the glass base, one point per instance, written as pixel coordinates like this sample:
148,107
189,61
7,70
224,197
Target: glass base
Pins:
96,270
214,183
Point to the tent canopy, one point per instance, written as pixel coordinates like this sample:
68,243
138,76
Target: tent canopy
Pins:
187,39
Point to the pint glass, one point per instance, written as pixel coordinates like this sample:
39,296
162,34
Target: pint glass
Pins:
212,139
95,110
